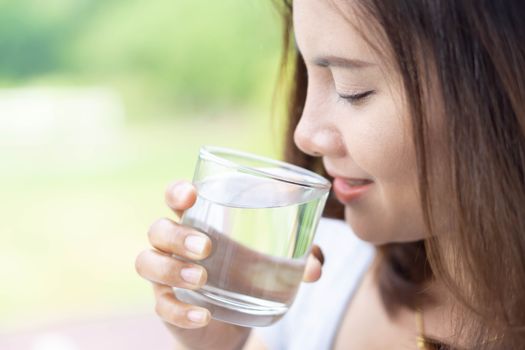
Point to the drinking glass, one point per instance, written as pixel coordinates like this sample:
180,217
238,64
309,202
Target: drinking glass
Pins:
261,216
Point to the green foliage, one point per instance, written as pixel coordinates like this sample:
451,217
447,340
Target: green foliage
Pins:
77,214
74,219
163,55
34,34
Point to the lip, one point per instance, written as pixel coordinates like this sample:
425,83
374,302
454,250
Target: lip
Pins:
347,190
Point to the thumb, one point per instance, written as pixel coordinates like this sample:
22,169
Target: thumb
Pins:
180,195
314,265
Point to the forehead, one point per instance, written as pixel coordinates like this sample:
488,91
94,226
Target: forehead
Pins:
330,27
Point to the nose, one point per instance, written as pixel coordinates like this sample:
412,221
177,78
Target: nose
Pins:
315,135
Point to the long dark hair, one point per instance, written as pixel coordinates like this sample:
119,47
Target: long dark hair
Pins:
469,56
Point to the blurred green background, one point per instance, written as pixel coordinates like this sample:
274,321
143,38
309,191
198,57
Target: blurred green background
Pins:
102,104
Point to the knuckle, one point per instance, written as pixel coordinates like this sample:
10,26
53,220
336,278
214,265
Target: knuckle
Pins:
176,315
179,232
158,226
167,273
169,312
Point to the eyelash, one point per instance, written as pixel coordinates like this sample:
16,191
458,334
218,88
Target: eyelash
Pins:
356,98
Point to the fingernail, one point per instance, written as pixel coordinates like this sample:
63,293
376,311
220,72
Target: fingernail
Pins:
191,275
195,244
197,316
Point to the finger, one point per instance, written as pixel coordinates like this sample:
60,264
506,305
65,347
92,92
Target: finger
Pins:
176,312
180,195
170,237
161,268
313,268
318,253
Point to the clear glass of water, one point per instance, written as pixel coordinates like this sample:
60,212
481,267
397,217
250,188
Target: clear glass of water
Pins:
261,215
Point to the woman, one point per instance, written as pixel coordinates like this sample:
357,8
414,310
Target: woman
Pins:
416,111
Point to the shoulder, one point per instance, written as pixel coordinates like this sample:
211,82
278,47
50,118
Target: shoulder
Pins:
315,314
346,259
336,237
343,250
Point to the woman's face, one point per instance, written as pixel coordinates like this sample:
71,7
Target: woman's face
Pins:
364,140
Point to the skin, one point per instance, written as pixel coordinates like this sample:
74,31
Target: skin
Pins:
164,271
366,138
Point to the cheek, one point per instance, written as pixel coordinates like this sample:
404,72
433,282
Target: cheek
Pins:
378,141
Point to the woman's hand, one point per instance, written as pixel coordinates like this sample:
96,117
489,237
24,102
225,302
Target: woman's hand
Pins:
192,325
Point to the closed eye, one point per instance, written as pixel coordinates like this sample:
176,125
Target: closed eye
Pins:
356,98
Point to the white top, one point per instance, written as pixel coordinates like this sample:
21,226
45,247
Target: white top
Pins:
314,318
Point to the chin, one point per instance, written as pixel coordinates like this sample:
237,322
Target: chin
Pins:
379,232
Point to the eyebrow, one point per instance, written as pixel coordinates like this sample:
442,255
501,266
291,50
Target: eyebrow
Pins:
334,61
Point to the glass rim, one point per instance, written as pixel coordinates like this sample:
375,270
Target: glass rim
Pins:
208,152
